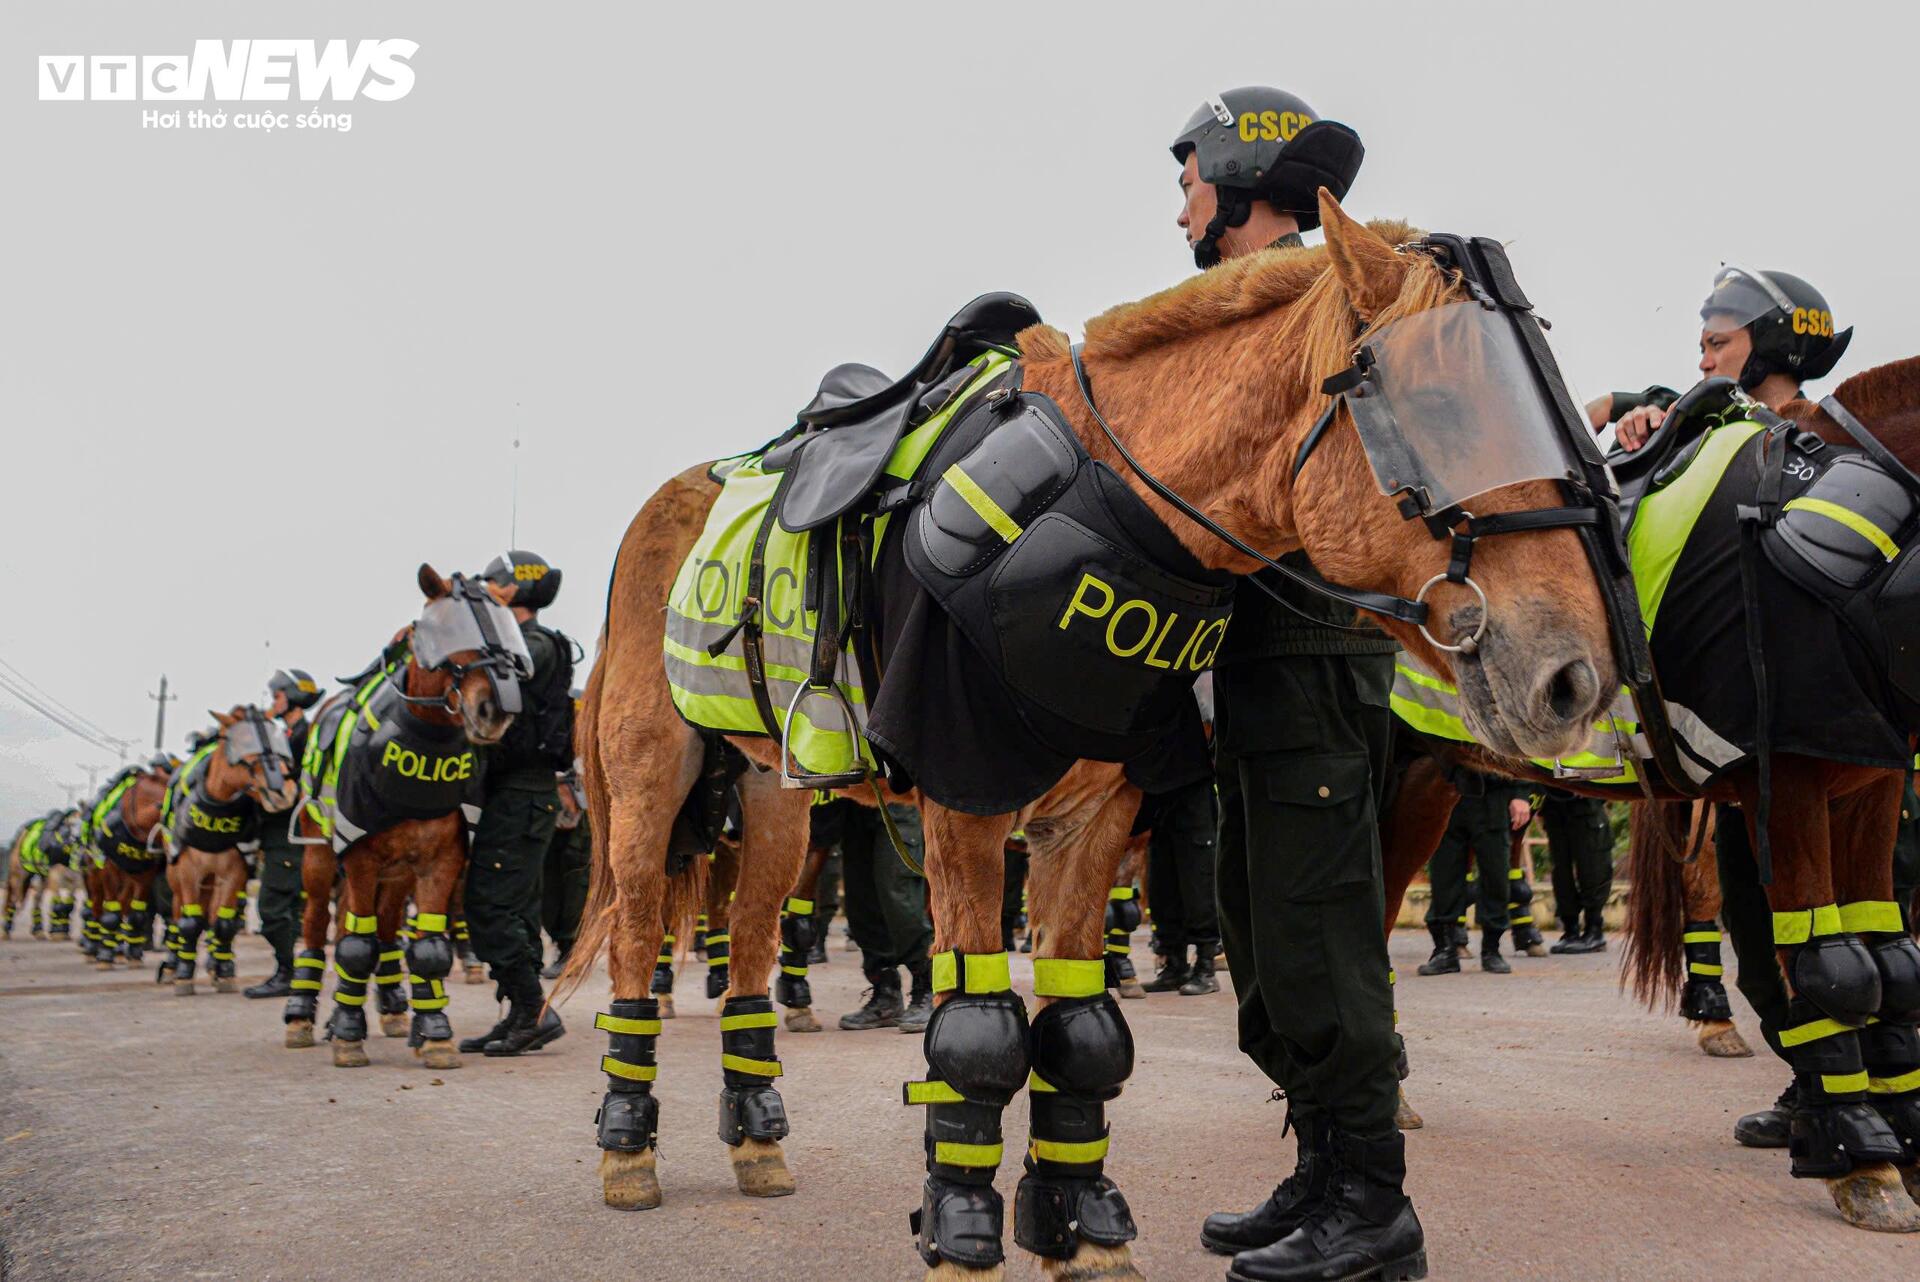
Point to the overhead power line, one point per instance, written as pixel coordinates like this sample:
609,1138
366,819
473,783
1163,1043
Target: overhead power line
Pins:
45,696
17,685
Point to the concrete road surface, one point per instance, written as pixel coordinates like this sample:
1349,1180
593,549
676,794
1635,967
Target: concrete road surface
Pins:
144,1136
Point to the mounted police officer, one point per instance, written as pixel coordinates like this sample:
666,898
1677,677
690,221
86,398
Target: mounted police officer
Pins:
1302,740
518,815
291,692
1768,331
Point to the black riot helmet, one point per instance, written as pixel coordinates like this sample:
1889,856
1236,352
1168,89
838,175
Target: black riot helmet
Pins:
535,582
1260,143
1789,321
301,689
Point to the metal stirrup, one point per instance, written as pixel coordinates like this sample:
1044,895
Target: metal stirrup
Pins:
789,777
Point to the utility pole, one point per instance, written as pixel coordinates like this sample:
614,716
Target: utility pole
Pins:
93,776
160,719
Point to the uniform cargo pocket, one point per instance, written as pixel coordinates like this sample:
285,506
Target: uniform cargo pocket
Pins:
1320,827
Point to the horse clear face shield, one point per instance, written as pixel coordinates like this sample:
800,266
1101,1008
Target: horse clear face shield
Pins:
471,620
255,738
1449,405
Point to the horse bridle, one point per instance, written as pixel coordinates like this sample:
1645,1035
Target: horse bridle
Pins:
267,760
1452,522
502,666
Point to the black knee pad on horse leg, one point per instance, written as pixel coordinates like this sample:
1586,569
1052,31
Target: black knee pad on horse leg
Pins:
1838,976
719,954
629,1115
750,1107
188,929
663,969
354,958
1082,1053
225,927
797,936
1897,958
429,961
1705,995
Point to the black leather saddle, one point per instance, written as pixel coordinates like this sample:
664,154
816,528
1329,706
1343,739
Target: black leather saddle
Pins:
841,441
1671,447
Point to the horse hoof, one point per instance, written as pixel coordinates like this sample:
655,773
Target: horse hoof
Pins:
1910,1176
183,988
666,1005
476,974
398,1025
1403,1115
1874,1198
299,1034
1093,1263
628,1181
226,984
349,1055
1131,988
800,1020
1537,950
103,965
1720,1039
947,1271
439,1055
760,1170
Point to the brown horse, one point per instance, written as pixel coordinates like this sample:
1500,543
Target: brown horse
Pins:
26,887
1831,828
119,837
431,701
1215,385
215,804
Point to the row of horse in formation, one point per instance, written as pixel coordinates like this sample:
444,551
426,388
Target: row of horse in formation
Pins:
1535,613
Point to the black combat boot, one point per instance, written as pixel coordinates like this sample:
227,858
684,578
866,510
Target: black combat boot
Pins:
1769,1128
278,984
529,1023
1596,933
1174,971
1570,937
1459,932
477,1045
1445,961
883,1007
1229,1233
1365,1227
1201,980
920,1001
559,963
1490,959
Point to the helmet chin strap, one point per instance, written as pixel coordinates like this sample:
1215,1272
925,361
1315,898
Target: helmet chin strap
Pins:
1232,209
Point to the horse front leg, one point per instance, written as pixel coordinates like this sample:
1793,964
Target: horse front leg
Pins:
430,952
753,1119
190,918
1864,828
1066,1209
1834,989
317,867
354,958
137,932
723,872
799,931
389,978
976,1044
111,919
229,907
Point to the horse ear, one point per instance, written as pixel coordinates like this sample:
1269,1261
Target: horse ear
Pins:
1367,266
223,719
432,585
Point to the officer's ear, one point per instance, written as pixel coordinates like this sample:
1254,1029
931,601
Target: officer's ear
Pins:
1367,266
432,585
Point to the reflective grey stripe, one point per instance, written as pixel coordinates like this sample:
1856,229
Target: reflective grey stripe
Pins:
731,683
1701,741
788,652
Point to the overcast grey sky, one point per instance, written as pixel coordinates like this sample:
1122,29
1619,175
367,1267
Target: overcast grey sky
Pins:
250,381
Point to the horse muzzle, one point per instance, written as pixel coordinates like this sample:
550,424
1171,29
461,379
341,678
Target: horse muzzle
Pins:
1532,696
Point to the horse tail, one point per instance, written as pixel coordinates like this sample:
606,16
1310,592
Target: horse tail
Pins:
1657,904
596,918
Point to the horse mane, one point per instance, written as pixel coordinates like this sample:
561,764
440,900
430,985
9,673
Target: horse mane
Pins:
1324,331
